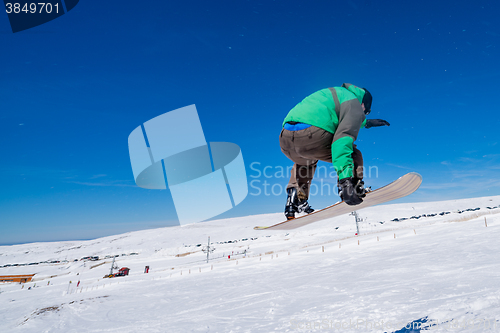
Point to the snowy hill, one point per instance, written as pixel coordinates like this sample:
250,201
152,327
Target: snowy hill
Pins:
430,264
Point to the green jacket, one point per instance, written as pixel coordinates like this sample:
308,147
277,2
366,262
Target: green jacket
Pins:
336,110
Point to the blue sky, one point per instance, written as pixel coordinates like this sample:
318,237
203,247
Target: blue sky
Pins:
73,89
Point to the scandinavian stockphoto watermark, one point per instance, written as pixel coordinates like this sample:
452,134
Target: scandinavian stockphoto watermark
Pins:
365,325
204,179
28,14
270,180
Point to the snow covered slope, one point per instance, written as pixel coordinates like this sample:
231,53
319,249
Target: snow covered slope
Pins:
431,265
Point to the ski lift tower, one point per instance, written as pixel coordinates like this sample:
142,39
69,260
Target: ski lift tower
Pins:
208,249
358,219
113,266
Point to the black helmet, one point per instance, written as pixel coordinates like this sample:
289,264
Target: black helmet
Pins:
367,101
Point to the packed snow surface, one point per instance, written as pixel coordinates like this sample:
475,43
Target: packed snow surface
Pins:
425,266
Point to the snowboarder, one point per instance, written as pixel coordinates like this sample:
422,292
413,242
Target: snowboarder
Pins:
324,127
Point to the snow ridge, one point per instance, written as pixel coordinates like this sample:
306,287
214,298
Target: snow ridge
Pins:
396,276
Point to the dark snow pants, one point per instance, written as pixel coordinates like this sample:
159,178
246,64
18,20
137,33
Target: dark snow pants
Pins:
305,148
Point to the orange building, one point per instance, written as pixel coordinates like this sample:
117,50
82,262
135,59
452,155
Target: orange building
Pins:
16,278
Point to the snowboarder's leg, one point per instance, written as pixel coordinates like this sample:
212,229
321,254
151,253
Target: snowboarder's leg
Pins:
359,184
301,177
304,148
311,145
357,158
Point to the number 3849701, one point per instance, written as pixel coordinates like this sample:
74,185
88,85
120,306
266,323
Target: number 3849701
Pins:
32,8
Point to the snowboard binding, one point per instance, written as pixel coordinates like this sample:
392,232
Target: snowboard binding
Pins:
294,205
360,188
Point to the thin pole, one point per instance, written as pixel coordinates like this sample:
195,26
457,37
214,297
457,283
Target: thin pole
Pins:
355,213
208,248
112,266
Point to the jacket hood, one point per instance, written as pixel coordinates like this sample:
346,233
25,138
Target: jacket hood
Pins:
359,92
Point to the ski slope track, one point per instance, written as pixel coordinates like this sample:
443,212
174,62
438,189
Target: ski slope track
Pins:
414,267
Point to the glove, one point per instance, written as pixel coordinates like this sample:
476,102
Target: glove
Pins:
376,123
347,192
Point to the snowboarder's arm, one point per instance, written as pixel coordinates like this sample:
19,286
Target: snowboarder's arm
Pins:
351,118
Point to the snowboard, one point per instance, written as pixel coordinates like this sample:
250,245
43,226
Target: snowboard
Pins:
399,188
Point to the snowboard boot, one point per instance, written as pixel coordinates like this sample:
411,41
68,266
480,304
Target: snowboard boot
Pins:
295,205
359,188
